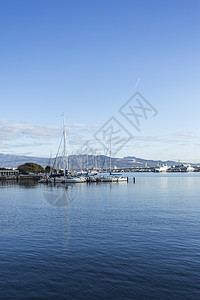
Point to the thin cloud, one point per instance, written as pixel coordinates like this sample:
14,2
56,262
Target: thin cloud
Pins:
11,131
18,135
184,134
78,125
23,145
149,138
176,137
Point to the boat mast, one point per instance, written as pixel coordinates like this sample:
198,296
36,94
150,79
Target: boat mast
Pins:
110,155
81,161
50,167
72,164
87,162
64,150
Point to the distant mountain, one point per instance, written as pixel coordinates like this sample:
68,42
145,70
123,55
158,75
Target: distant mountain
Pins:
13,161
125,162
82,161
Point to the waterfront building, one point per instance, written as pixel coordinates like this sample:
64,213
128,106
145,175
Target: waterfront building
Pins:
9,172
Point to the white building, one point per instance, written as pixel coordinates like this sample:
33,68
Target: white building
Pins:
9,172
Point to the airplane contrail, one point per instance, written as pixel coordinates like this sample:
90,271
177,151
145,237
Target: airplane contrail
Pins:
137,83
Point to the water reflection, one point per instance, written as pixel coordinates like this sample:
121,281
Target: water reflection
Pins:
23,183
59,195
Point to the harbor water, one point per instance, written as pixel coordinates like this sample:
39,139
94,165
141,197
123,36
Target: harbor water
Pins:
101,241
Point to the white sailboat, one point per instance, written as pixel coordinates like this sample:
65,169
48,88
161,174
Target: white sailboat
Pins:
63,178
68,178
112,178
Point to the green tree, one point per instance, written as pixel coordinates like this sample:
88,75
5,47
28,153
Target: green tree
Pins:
49,169
30,167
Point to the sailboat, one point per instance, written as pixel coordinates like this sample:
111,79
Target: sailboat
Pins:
67,178
111,177
56,178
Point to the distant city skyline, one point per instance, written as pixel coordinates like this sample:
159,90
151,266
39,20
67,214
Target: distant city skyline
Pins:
86,59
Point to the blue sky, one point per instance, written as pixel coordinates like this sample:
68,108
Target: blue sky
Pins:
84,58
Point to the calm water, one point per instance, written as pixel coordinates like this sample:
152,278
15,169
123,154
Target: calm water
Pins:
105,241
